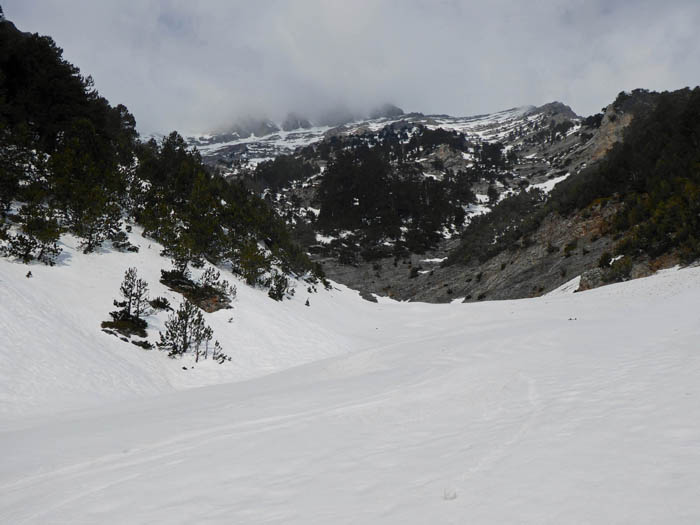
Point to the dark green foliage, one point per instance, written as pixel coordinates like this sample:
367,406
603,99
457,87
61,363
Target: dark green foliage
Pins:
129,318
160,303
120,241
428,139
364,192
199,216
38,236
134,291
213,293
553,132
279,287
62,144
491,154
619,270
186,331
126,327
40,89
253,264
183,329
279,172
146,345
210,292
593,121
487,235
69,157
492,194
656,173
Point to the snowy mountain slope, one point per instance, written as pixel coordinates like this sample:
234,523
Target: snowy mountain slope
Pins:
55,355
225,149
565,408
468,163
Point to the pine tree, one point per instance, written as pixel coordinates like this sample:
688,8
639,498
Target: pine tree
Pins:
38,238
180,329
210,278
186,331
278,287
135,293
140,302
218,354
203,334
127,290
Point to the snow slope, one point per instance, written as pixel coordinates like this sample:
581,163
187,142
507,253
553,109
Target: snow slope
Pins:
569,408
56,357
255,149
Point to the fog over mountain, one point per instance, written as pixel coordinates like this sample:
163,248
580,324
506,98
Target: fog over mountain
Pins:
198,66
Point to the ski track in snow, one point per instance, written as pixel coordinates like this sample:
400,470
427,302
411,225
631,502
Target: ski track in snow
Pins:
567,408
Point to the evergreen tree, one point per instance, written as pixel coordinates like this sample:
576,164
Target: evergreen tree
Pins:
185,331
140,301
181,329
77,163
38,238
202,335
134,291
278,287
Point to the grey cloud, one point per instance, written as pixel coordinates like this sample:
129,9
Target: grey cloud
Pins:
197,66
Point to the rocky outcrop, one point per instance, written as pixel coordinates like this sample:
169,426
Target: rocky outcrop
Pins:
294,121
611,131
556,108
590,279
386,111
258,127
561,249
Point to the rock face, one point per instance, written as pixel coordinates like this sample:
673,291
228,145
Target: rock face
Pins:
590,279
561,249
386,111
294,121
611,131
557,109
551,143
258,127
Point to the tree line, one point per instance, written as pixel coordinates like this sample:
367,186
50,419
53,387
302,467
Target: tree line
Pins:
71,162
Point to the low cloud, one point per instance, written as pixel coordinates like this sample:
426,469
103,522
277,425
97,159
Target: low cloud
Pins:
198,66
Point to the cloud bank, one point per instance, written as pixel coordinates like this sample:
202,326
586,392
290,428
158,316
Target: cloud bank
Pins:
198,66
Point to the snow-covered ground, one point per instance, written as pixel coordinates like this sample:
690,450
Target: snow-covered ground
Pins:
548,185
570,408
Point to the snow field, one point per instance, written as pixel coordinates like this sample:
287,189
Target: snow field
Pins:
568,408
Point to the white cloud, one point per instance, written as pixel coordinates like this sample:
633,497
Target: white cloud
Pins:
198,65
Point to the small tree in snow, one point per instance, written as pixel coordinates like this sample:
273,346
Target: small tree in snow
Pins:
186,331
38,239
135,293
203,336
182,329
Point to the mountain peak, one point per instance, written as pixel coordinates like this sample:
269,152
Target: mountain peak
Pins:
386,111
556,108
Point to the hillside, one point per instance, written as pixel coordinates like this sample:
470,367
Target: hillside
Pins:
492,412
235,327
507,205
72,163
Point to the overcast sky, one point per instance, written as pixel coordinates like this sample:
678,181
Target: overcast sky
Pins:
197,65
